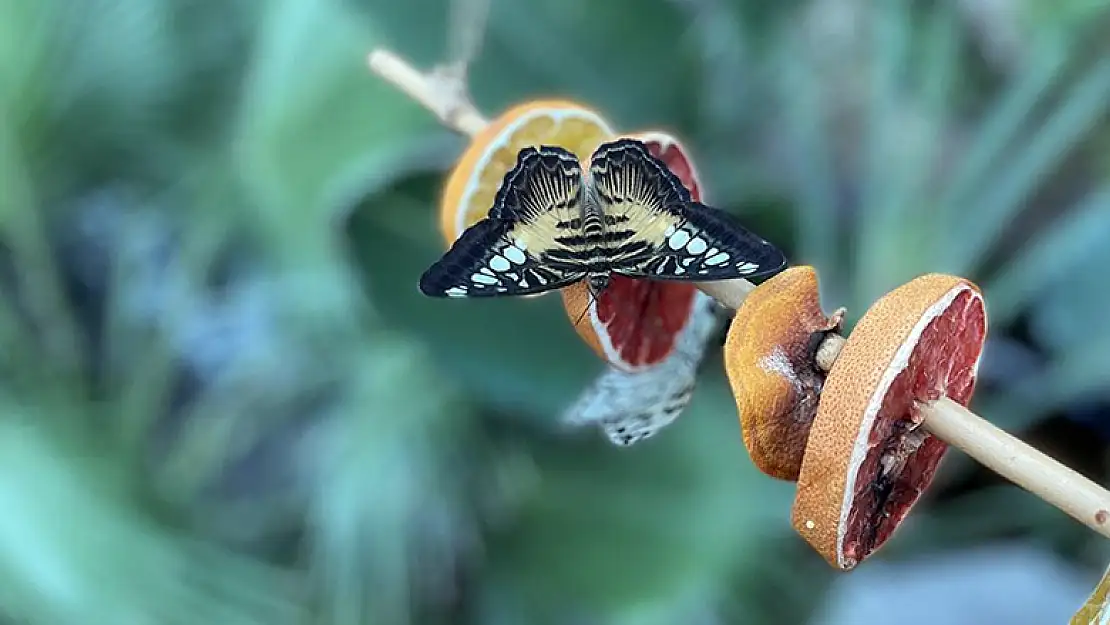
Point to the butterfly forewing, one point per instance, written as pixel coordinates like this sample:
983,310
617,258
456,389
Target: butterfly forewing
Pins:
517,249
660,233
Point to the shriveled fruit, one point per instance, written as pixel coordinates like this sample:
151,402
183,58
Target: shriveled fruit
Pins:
472,185
770,359
868,460
634,323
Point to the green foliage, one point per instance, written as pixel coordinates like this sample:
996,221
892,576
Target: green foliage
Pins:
224,400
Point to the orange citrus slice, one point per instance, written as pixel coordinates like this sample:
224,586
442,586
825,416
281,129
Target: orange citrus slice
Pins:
468,195
635,324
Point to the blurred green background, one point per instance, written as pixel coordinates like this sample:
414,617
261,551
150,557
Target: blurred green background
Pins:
224,401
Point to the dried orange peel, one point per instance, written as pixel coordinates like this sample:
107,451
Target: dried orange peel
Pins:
770,360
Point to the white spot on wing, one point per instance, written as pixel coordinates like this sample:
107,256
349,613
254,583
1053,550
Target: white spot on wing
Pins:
515,253
719,258
482,278
499,263
747,267
456,292
678,239
696,246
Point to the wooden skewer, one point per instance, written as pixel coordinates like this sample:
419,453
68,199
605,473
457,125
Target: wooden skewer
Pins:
443,93
1005,454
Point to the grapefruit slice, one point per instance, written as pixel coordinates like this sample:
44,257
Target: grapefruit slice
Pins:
867,460
771,362
468,195
634,324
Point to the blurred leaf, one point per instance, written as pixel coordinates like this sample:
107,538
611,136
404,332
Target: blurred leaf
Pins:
1001,123
1075,238
115,565
389,473
977,231
818,227
632,534
293,162
1070,313
521,356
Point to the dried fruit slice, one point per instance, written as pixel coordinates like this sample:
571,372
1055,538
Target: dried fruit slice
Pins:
770,359
630,407
867,460
634,323
470,189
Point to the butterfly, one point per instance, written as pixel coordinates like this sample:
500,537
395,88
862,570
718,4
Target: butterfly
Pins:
553,224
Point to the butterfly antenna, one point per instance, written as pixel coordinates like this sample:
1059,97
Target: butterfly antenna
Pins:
589,302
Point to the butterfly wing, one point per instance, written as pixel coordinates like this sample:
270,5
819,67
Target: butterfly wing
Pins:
631,407
658,232
518,249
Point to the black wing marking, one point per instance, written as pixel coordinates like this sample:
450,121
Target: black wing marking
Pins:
708,244
660,233
516,249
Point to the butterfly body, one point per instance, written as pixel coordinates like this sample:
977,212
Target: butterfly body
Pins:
553,224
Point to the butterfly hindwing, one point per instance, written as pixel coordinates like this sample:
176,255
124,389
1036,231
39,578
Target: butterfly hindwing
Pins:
629,407
661,233
516,249
639,196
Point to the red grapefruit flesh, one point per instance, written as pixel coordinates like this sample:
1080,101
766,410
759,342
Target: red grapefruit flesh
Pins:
867,460
634,324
